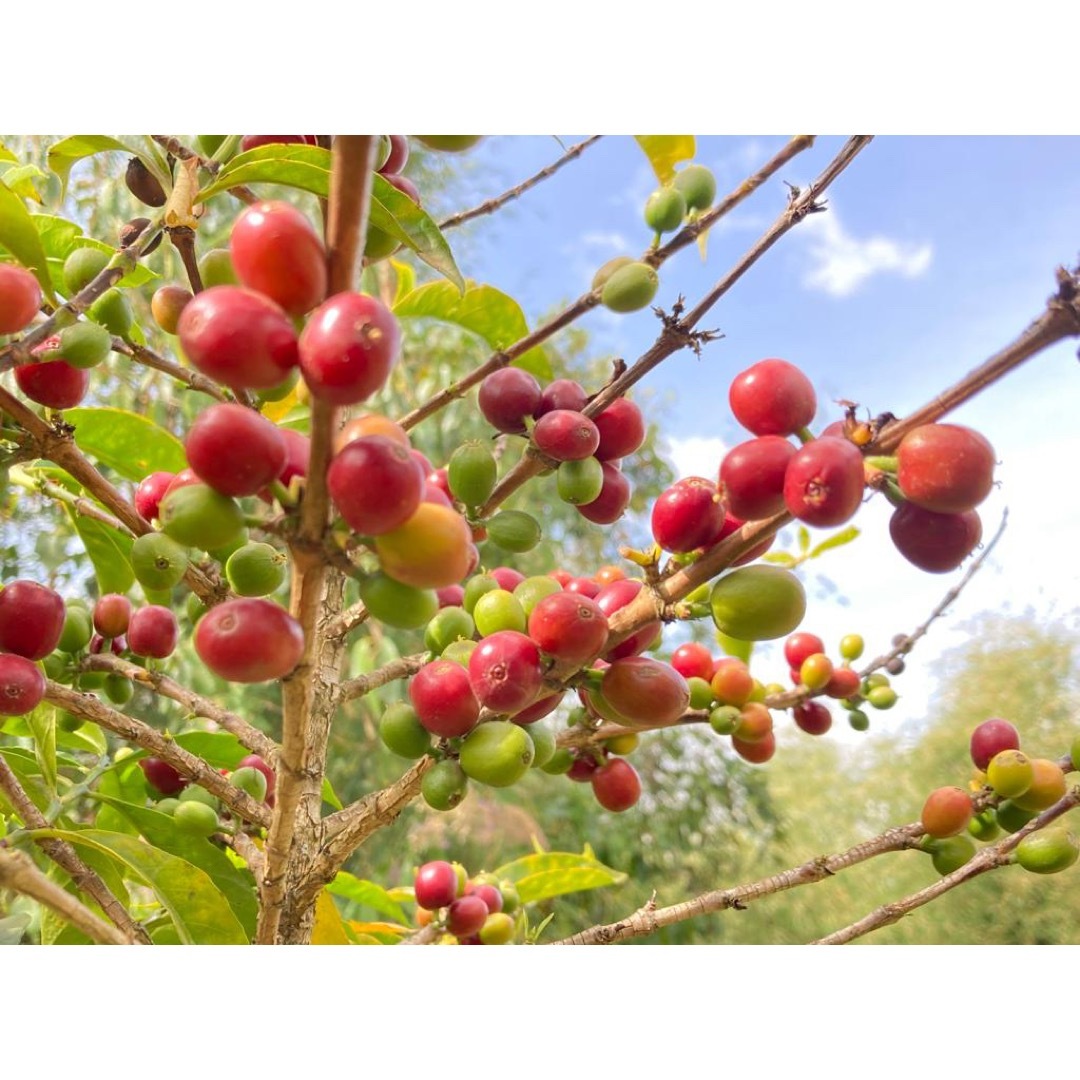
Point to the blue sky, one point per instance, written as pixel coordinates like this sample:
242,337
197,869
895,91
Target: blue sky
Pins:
935,252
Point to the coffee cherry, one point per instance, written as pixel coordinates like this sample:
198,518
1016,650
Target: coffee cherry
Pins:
249,641
946,468
532,590
275,251
31,619
1010,773
823,484
622,429
616,595
569,627
858,720
471,473
984,826
1049,851
113,311
153,631
931,541
444,785
731,682
687,515
613,499
429,551
514,530
375,485
645,692
497,753
882,697
252,142
562,394
498,610
371,424
20,298
1047,786
84,345
757,753
348,347
77,631
398,155
82,266
435,885
235,450
755,723
22,686
162,777
239,337
197,516
53,383
402,733
851,647
150,492
752,477
665,210
142,183
581,482
507,397
167,305
816,671
697,185
443,697
253,761
951,853
397,605
843,683
812,717
724,719
616,785
450,144
466,916
630,287
256,569
505,671
693,660
216,268
565,435
946,812
251,781
196,819
758,603
773,397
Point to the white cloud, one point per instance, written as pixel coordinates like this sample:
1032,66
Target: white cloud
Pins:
842,262
614,241
696,455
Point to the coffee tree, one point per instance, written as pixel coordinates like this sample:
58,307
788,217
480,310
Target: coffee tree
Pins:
302,533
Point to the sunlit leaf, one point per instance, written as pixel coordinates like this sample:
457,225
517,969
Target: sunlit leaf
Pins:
329,795
219,749
406,279
556,873
6,154
844,536
131,444
27,771
19,236
665,152
23,181
367,893
780,558
109,551
482,309
328,928
66,153
394,212
295,165
199,910
42,723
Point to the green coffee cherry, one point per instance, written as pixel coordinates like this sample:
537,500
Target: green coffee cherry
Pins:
256,569
166,806
1011,817
471,473
559,762
78,629
224,552
118,689
665,210
851,646
543,740
195,819
447,626
444,785
113,311
497,753
951,853
697,185
580,482
194,793
858,720
499,610
82,266
251,780
514,530
85,344
459,652
216,268
475,587
882,697
701,694
158,561
600,278
402,733
199,517
984,826
630,288
398,605
1048,851
724,719
532,590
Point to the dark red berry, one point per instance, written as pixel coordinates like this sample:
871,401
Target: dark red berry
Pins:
613,499
162,777
562,394
22,686
375,484
752,477
150,492
617,595
990,738
813,717
687,515
773,397
934,542
153,631
435,885
31,619
235,450
566,435
569,626
622,429
616,785
823,484
507,397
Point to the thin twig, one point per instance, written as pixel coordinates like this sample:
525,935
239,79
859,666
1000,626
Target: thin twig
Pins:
65,856
349,619
83,507
401,668
195,380
492,205
18,872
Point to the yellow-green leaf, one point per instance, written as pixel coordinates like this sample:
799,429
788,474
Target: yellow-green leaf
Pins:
328,928
6,154
20,238
131,444
481,309
665,152
556,873
22,180
406,279
198,909
296,165
64,154
844,536
349,887
42,723
109,551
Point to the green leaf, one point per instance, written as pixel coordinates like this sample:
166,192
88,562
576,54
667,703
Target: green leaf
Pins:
6,154
481,309
329,795
665,152
42,722
199,910
21,181
27,771
20,237
66,153
844,536
126,442
237,885
406,279
218,749
88,739
367,893
556,873
109,551
804,539
781,558
294,165
14,926
394,212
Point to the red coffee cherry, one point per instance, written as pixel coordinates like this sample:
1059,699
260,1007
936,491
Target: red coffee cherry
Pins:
566,435
249,640
693,660
375,484
162,777
797,647
254,761
505,671
20,298
757,753
235,450
150,492
622,429
22,686
612,501
442,695
773,397
54,383
990,738
435,885
562,394
506,397
466,916
31,619
616,785
843,684
398,156
645,691
616,595
687,515
569,627
936,543
813,717
731,681
153,631
348,347
752,477
946,812
945,467
823,484
112,613
276,251
239,337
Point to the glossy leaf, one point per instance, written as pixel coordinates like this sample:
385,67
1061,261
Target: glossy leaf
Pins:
219,749
126,442
328,928
199,910
780,558
66,153
367,893
405,278
294,165
23,181
556,873
60,238
665,152
481,309
237,885
844,536
19,236
42,723
109,551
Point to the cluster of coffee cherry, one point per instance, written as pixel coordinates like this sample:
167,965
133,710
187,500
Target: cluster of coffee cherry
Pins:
476,911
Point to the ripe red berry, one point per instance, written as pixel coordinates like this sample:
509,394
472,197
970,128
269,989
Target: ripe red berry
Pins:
616,595
799,646
152,631
823,484
693,660
757,753
566,435
569,626
112,613
622,429
348,347
375,484
687,515
443,698
562,394
990,738
731,681
276,252
404,185
162,777
22,686
936,543
844,683
945,467
752,477
616,785
249,640
645,691
31,619
505,671
946,812
20,298
773,397
813,717
507,397
150,492
235,450
239,337
613,499
466,916
435,885
54,383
